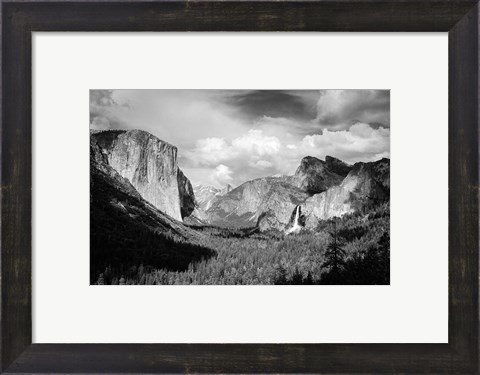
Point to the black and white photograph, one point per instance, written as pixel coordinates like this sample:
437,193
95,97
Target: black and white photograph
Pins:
239,187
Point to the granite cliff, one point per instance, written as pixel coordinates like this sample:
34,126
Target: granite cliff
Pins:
319,190
206,195
270,199
365,186
150,165
127,229
315,175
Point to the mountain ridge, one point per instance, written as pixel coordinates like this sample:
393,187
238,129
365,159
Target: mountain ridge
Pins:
269,202
365,186
322,189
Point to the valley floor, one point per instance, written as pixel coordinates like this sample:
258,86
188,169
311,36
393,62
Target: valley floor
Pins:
351,250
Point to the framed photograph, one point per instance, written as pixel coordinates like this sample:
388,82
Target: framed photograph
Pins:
239,187
230,204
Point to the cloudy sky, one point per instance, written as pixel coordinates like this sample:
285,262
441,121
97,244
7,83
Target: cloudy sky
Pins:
231,136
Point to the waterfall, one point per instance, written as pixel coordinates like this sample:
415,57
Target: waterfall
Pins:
296,217
296,226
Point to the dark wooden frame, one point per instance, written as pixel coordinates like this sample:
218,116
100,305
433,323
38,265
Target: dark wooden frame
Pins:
458,17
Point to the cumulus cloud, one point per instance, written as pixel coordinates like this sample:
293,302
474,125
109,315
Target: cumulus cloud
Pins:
102,104
250,155
101,98
257,143
255,154
179,117
210,151
221,175
338,109
253,144
361,142
100,123
262,164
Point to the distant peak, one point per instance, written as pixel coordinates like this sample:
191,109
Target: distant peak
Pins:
204,187
225,190
309,159
311,162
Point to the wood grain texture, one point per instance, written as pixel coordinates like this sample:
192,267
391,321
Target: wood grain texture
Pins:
237,358
464,185
16,170
19,18
414,15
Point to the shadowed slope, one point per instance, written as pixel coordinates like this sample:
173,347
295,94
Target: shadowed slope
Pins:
126,230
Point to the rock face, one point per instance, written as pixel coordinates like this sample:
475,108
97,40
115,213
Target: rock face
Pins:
290,202
227,189
99,167
187,195
366,185
266,202
337,166
109,188
315,175
206,195
150,165
127,229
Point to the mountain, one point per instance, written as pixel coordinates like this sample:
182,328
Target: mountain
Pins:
125,229
287,202
105,179
227,189
366,185
150,165
206,195
268,201
315,175
319,190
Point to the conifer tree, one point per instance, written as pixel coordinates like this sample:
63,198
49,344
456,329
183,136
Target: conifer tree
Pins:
281,276
309,279
335,255
384,254
297,278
